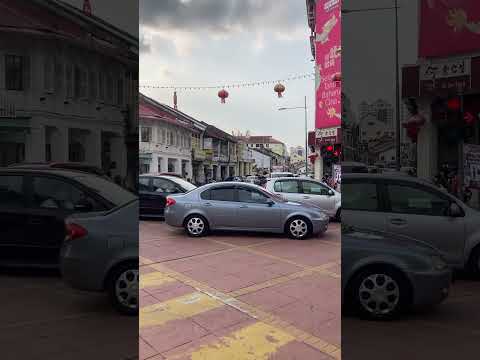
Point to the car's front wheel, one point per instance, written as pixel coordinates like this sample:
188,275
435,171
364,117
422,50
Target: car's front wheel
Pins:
379,293
122,288
298,228
196,225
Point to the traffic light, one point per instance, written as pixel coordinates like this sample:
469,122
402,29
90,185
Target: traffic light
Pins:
331,153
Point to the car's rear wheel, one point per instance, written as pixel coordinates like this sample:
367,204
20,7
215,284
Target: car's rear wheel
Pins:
379,293
122,288
196,225
298,228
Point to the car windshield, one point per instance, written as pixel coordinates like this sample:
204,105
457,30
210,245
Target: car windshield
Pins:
106,189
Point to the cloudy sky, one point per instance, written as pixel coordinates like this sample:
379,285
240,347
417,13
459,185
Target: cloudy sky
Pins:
124,16
213,42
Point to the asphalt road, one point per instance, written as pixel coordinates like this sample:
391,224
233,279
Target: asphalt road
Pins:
448,331
41,318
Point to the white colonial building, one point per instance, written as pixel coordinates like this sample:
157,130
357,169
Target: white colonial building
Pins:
67,83
165,140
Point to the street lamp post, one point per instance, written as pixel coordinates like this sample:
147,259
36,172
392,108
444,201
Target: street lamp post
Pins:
397,80
306,129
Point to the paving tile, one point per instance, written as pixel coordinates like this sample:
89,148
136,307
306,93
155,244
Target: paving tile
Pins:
219,318
175,333
267,299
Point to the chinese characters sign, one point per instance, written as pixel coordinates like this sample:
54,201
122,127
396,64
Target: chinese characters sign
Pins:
445,76
328,63
448,27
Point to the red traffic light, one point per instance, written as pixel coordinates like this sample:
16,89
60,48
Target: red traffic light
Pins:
329,148
453,104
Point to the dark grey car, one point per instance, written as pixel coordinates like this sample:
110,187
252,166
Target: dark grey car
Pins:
384,274
243,207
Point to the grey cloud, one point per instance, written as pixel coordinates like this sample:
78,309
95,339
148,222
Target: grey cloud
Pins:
222,15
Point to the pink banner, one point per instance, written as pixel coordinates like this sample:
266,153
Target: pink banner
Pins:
328,64
449,27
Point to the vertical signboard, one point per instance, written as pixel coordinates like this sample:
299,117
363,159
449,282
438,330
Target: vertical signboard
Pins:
328,64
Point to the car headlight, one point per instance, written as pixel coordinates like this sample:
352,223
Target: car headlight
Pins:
438,263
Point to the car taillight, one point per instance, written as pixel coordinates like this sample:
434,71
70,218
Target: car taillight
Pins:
74,231
170,202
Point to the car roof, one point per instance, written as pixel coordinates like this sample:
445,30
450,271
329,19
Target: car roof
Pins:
386,176
46,170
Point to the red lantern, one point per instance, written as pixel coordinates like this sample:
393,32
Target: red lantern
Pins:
223,94
279,88
453,104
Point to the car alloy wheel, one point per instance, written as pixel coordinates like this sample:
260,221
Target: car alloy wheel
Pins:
379,294
195,226
126,289
122,288
298,228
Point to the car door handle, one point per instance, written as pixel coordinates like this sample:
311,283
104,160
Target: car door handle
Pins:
243,206
398,221
208,204
306,197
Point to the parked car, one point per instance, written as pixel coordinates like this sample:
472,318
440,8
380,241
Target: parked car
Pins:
252,179
306,190
153,191
171,174
353,167
281,174
384,274
414,207
242,207
34,204
100,253
235,178
67,166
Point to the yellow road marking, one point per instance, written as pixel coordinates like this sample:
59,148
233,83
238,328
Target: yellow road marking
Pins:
153,279
182,307
254,312
255,342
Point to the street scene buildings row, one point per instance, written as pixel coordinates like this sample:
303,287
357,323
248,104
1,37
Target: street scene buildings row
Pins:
172,141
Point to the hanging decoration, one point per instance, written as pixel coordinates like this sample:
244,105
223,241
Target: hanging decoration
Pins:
233,85
413,126
223,94
279,89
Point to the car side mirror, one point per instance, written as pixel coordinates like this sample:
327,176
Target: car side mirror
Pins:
270,202
331,192
454,210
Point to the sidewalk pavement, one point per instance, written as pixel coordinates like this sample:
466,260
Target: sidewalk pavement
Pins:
238,296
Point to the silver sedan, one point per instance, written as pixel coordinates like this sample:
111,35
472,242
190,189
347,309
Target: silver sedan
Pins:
384,274
242,207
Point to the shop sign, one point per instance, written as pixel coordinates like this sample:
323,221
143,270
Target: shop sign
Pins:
327,136
445,76
471,156
328,63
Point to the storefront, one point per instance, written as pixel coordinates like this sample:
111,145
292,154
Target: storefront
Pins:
442,92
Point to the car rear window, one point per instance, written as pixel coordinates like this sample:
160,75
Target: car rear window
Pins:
108,190
185,184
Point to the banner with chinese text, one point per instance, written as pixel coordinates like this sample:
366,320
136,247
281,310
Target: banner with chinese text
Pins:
328,64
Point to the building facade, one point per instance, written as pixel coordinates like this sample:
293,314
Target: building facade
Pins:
165,140
64,95
267,142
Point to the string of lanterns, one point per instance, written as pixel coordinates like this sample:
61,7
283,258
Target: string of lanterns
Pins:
223,94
